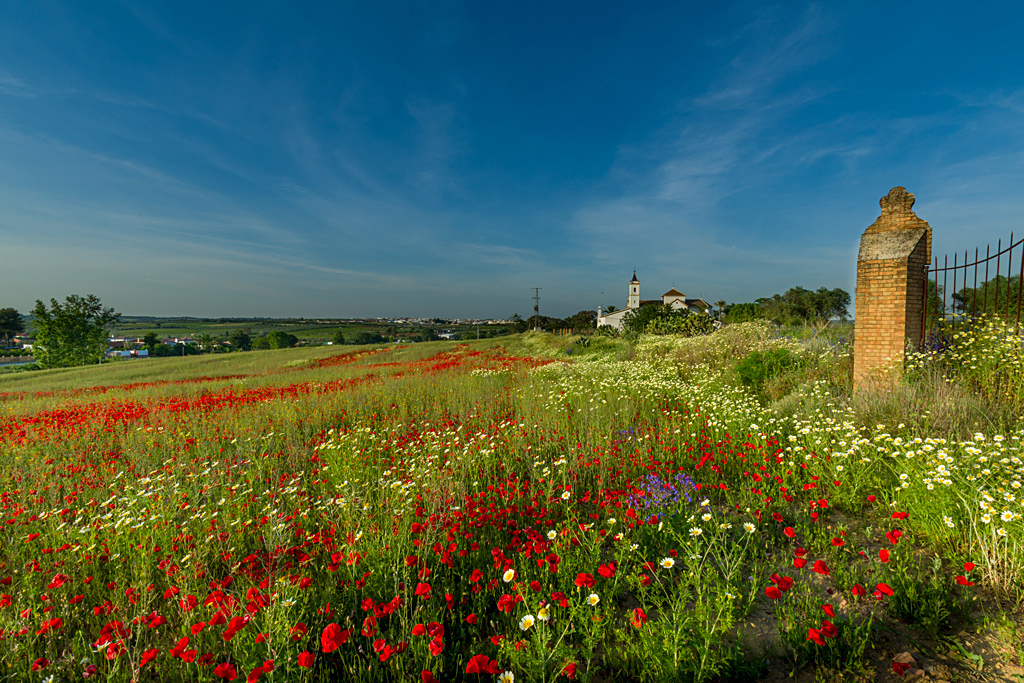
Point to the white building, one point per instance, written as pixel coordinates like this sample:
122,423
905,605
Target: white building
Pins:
673,297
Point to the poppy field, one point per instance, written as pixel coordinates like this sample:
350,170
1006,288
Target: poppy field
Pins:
486,512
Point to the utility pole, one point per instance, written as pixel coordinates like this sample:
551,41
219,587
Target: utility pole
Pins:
536,307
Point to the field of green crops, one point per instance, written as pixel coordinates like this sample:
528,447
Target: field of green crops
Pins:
534,508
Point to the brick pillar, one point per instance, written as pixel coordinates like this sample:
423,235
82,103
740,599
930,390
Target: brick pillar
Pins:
894,252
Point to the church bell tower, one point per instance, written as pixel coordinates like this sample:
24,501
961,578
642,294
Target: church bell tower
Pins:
634,293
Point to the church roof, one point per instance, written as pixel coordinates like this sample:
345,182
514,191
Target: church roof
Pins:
674,292
634,279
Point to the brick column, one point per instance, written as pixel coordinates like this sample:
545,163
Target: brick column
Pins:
894,252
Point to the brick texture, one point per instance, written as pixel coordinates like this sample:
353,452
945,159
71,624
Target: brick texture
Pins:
895,250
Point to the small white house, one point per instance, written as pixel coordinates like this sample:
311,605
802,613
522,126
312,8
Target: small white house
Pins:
672,297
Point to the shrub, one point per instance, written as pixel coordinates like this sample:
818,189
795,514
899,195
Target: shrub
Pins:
759,367
687,325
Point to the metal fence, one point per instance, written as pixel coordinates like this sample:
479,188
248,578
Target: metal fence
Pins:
998,294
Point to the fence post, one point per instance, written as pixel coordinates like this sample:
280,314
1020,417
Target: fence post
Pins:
891,287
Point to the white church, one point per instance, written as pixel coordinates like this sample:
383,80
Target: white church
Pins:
673,297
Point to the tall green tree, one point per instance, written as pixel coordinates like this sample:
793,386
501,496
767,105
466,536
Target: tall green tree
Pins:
11,323
240,340
72,333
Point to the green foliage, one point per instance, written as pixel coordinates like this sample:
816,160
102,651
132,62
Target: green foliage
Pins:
583,320
759,367
338,338
993,297
518,324
368,337
923,596
662,319
151,340
240,341
278,339
260,344
73,333
11,323
687,325
742,313
799,305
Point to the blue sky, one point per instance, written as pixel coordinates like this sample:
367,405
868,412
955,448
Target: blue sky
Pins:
443,158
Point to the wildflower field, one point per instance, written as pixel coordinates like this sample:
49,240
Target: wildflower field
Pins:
536,509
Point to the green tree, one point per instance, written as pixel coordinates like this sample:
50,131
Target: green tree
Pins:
279,339
370,337
260,344
741,313
71,334
151,340
338,338
637,319
518,324
240,340
584,320
11,323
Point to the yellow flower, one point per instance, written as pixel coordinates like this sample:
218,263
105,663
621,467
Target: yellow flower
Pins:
526,622
508,575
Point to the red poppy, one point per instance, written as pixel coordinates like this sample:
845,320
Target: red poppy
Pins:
789,531
858,590
435,630
815,635
480,664
828,629
883,555
639,617
968,566
821,568
419,630
607,570
799,562
894,536
334,637
964,581
584,580
178,649
305,660
471,619
427,677
838,542
226,671
149,655
829,610
773,592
